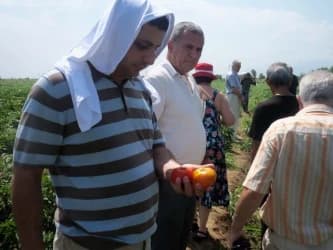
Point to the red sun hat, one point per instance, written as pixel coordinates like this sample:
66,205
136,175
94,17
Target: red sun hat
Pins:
204,70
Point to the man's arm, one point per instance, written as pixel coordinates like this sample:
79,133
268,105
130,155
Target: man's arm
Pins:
248,202
27,206
254,148
164,162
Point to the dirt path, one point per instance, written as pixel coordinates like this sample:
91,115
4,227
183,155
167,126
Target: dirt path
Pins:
219,219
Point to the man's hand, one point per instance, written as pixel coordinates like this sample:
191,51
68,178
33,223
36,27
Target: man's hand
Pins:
248,202
183,184
236,91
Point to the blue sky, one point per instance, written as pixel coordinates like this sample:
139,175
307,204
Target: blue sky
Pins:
37,33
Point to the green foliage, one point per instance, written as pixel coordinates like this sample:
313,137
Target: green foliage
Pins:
13,93
219,84
234,197
12,96
327,68
8,234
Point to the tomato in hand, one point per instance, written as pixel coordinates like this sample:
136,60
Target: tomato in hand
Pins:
205,176
181,172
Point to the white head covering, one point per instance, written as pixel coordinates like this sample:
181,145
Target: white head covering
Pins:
105,46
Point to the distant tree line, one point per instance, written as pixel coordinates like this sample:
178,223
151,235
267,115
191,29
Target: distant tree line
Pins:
262,76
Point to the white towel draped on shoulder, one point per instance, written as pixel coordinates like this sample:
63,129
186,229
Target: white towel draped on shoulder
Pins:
105,46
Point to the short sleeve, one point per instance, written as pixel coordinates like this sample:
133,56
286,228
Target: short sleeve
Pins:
39,133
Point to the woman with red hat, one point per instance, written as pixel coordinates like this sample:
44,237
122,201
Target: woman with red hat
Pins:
217,112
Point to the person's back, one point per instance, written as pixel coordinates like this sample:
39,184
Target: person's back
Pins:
268,111
302,190
280,105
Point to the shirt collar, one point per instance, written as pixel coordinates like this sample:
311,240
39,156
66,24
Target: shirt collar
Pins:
171,69
316,108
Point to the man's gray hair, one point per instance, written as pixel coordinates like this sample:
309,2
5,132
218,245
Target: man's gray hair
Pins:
278,74
236,63
317,87
182,27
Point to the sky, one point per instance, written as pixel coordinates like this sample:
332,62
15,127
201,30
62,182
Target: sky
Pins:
35,34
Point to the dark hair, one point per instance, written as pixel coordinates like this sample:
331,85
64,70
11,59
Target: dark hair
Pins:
203,79
161,23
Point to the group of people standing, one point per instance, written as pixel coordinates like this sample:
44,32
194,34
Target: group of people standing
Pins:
111,138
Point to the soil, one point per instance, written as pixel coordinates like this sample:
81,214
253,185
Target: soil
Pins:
219,219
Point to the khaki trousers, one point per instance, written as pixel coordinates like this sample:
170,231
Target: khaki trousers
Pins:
61,242
272,241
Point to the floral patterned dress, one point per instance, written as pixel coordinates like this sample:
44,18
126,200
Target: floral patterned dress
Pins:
219,195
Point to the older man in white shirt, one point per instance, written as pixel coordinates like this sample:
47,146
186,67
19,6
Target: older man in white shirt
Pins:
179,111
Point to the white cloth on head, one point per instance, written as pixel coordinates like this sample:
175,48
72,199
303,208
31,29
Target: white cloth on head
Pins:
105,46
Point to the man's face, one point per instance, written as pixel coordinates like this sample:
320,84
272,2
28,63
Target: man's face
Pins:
185,52
141,54
237,67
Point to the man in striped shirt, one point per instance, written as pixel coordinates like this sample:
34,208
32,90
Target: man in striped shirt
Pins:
294,164
104,159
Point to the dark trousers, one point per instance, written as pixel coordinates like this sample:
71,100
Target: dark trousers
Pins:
174,219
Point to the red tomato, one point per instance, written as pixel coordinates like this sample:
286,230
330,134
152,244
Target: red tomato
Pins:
205,176
181,172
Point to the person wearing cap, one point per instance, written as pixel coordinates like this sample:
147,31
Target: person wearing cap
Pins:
90,123
179,112
217,113
234,92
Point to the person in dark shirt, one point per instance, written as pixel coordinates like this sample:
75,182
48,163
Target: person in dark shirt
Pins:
281,104
294,82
